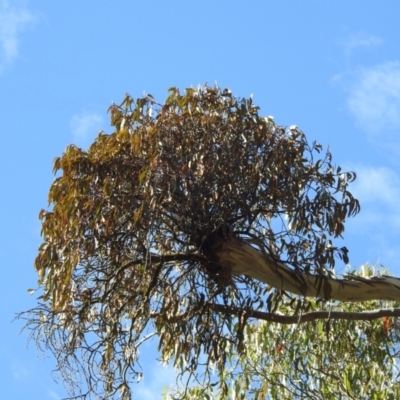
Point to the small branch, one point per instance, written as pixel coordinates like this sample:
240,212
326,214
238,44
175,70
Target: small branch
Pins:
312,316
155,258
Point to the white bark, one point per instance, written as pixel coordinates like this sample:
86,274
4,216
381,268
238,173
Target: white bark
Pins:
243,259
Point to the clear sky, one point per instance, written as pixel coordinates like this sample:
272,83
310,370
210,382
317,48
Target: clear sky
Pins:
330,67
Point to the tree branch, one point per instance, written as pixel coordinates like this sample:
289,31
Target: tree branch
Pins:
312,316
242,259
155,258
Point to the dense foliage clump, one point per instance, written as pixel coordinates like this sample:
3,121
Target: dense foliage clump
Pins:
134,223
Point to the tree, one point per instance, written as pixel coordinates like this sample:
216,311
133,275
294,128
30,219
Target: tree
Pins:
320,359
192,219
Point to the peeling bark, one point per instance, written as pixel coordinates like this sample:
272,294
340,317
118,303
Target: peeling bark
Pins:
243,259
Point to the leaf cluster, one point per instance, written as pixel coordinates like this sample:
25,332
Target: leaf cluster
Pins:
129,236
331,359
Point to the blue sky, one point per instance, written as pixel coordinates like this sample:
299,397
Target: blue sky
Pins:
330,67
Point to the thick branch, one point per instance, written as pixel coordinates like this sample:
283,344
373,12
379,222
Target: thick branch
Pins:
243,259
312,316
155,258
